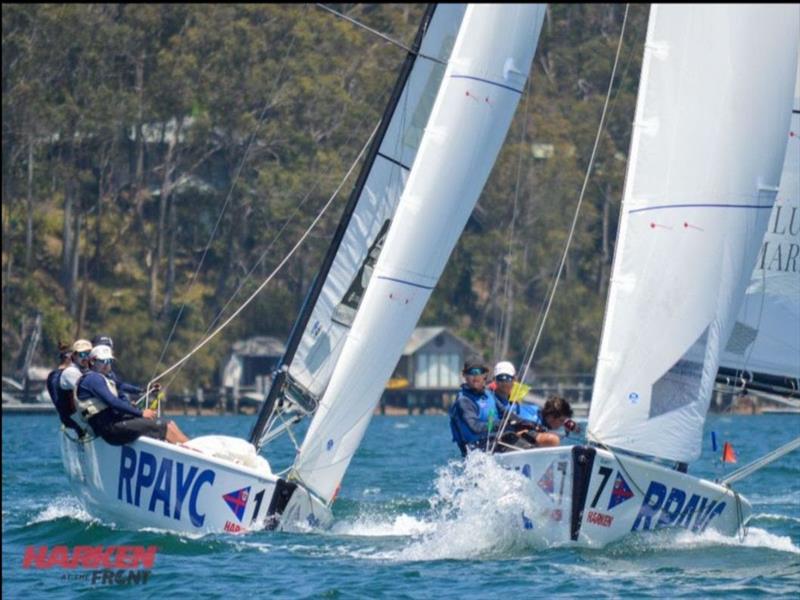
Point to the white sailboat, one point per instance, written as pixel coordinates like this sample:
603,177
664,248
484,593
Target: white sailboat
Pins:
763,352
430,158
706,154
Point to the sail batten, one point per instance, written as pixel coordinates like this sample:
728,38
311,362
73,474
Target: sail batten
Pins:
712,115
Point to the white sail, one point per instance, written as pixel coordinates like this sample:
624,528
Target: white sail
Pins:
766,335
471,115
706,154
333,313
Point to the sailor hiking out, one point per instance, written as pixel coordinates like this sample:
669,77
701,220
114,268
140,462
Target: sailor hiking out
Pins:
63,397
116,420
123,387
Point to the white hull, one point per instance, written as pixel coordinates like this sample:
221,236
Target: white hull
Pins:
590,497
150,483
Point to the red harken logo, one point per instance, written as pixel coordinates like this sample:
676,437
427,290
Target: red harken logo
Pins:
89,557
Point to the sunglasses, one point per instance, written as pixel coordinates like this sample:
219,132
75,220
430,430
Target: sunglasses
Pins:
105,361
83,355
504,378
475,371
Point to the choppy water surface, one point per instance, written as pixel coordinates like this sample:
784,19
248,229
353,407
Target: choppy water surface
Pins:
411,521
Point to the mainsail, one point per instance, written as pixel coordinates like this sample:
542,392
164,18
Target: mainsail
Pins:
706,154
316,340
765,343
473,109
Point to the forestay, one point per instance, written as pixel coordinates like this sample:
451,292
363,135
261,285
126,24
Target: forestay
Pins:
766,336
374,203
333,314
470,117
706,154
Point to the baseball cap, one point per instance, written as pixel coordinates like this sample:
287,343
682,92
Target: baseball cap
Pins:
81,346
102,352
103,340
475,362
504,368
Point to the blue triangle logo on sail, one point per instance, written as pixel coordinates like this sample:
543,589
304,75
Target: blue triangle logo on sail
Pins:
546,481
620,492
237,501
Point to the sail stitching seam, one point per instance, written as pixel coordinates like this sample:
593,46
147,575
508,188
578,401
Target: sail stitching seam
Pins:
489,81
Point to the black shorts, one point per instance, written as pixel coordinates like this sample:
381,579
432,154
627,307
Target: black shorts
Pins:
125,429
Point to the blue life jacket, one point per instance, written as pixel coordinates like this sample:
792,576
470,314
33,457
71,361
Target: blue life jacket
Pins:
528,412
485,402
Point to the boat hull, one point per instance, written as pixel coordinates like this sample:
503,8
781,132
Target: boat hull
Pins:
150,483
591,497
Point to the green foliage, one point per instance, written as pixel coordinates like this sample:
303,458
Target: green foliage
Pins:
140,122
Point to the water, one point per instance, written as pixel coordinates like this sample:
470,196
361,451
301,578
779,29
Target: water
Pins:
405,528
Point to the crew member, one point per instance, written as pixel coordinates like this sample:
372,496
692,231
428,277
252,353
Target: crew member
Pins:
529,425
504,377
555,414
123,388
79,365
115,420
63,399
476,413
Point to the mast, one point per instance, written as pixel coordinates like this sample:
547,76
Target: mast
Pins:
280,378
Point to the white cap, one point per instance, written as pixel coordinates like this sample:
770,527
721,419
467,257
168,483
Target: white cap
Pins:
504,368
101,352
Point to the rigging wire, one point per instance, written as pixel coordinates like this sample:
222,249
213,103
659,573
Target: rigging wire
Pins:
534,343
610,112
742,372
228,197
395,182
762,462
383,36
269,278
261,258
501,326
249,274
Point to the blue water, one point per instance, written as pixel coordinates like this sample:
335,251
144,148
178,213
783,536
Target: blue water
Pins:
405,528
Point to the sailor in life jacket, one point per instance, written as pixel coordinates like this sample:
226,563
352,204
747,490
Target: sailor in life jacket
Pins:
115,420
475,415
531,426
63,399
123,388
68,380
